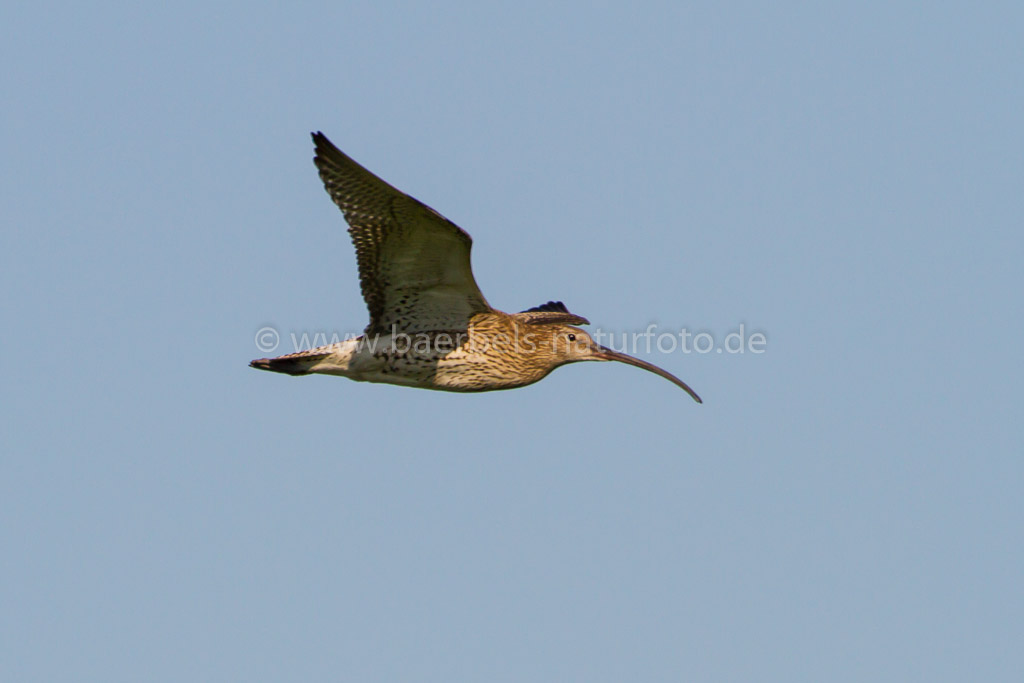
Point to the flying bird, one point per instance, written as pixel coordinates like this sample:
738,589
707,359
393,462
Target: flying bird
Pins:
430,326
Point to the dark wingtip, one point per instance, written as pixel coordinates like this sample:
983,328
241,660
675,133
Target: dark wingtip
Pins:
559,314
321,141
549,307
325,151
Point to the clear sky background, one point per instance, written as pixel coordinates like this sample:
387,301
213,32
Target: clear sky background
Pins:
846,506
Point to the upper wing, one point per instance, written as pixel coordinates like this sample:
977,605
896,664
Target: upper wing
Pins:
414,266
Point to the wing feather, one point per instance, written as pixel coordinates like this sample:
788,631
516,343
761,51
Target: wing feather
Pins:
414,264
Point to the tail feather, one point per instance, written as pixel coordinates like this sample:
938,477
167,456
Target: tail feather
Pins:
294,364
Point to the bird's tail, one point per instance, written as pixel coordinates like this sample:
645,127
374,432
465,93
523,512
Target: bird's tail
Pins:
294,364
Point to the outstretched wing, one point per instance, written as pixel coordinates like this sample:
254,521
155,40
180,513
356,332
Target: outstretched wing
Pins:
414,266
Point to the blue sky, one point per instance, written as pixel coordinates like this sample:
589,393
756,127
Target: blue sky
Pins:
845,506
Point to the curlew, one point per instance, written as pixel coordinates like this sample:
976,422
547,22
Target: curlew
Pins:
430,326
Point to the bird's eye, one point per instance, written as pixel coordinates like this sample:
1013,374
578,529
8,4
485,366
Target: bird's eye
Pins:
572,337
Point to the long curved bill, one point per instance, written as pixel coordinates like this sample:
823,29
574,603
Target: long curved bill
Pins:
604,353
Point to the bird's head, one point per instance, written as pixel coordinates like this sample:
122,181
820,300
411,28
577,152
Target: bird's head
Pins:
569,344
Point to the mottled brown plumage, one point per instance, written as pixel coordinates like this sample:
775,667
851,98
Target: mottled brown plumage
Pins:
430,326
